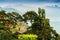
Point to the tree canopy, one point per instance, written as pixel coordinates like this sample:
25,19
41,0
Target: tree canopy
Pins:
10,25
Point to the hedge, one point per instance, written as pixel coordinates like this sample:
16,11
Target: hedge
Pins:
27,37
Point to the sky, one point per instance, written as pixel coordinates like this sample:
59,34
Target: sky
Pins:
52,8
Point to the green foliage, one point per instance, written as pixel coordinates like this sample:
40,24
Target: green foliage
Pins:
5,32
30,15
5,35
27,37
39,26
14,15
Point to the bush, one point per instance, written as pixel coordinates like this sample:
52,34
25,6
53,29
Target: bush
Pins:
6,35
27,37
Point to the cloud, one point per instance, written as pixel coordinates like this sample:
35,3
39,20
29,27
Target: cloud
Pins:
53,6
52,19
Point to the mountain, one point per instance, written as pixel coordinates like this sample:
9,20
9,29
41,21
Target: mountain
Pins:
53,6
0,8
10,10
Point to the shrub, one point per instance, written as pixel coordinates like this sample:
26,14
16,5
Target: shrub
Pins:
6,35
27,37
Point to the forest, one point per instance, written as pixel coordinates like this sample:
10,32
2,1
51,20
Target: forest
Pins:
14,26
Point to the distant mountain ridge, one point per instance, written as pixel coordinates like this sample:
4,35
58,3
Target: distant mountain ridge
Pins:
10,10
53,6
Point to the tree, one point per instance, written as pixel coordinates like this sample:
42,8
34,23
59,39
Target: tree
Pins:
15,16
43,13
30,15
10,24
39,12
40,26
5,33
55,35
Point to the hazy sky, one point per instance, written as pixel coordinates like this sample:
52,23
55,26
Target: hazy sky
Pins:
52,8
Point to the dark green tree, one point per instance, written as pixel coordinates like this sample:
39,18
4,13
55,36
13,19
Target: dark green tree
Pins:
5,33
30,15
40,26
14,15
